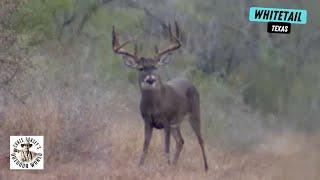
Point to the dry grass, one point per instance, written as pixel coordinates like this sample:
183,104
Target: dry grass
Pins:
107,145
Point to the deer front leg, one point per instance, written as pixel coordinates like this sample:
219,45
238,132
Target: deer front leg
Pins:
147,138
179,143
167,141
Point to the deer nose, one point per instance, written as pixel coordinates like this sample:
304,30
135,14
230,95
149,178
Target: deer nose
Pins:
150,81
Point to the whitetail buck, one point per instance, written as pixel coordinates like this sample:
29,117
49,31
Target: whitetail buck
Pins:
163,105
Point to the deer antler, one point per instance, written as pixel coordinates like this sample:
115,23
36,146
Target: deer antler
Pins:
118,48
173,38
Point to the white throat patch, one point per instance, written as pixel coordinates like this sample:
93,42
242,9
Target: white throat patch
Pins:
145,85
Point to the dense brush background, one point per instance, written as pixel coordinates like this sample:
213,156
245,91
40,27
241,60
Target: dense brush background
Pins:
259,92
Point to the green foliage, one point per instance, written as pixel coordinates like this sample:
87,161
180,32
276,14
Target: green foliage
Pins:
267,88
35,20
197,10
217,39
111,66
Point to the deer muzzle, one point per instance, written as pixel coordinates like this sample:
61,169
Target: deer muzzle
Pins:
149,82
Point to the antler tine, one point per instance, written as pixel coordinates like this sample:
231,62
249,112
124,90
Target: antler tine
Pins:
173,38
135,49
156,49
170,32
118,48
115,41
177,29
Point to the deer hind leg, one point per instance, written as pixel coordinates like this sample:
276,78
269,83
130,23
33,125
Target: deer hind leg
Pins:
167,141
176,133
147,138
195,124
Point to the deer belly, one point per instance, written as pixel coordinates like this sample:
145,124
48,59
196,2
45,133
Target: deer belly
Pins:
156,123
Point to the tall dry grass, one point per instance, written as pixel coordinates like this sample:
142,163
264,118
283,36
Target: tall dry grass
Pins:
103,140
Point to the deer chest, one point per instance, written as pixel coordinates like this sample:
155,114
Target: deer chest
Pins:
157,114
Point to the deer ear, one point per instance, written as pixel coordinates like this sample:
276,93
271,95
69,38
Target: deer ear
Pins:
166,59
130,62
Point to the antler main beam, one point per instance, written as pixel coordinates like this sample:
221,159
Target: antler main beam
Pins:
118,48
173,38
